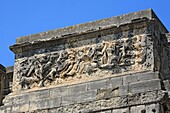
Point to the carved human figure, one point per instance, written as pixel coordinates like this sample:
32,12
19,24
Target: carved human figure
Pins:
45,69
84,58
70,68
22,71
94,53
111,51
97,58
129,52
104,58
114,55
28,79
81,57
49,70
31,66
62,60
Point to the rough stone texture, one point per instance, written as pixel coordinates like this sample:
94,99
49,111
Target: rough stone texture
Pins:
114,65
2,75
109,51
8,80
80,98
90,26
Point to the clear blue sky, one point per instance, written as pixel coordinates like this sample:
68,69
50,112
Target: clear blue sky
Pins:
23,17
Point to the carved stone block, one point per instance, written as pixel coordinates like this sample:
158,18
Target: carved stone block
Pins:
114,65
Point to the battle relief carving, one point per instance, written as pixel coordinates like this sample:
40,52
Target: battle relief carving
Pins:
107,57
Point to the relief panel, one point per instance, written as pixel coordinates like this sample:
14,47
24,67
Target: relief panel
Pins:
106,57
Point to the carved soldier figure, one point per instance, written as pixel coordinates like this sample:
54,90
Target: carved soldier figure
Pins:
104,59
62,60
45,69
28,79
70,68
98,53
140,49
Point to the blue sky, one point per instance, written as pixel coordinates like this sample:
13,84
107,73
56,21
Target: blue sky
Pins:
23,17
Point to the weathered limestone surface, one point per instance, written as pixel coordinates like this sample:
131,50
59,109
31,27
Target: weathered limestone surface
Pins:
2,74
86,53
110,93
114,65
8,79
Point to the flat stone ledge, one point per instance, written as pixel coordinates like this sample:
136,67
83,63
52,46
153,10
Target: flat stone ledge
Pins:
113,21
89,34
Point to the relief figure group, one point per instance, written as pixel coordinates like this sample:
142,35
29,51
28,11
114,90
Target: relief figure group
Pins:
113,56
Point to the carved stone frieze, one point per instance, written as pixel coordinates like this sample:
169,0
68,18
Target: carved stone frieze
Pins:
107,57
113,65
